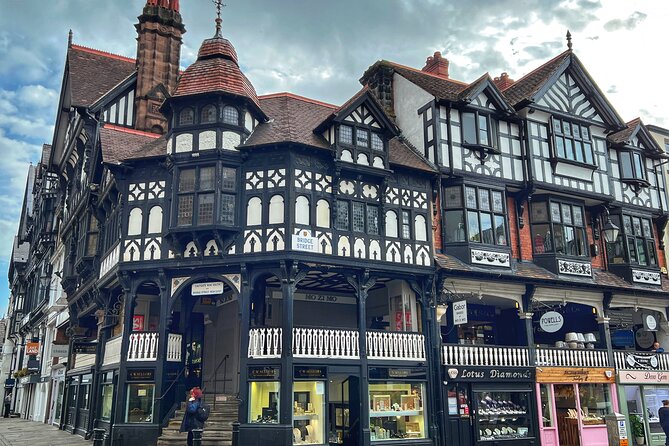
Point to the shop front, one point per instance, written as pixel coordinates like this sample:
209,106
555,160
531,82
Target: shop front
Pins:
573,402
490,405
643,384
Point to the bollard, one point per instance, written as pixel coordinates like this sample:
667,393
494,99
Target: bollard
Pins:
197,437
235,433
98,436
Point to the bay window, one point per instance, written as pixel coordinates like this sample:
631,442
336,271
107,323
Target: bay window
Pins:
558,228
479,218
357,216
635,244
477,129
205,195
632,166
572,141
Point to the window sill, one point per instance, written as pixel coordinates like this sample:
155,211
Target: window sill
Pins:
582,164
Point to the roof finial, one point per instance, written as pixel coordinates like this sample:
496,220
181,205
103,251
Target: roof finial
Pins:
69,38
219,4
568,40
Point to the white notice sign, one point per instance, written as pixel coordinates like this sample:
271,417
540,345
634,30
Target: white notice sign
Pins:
304,242
207,288
460,312
60,350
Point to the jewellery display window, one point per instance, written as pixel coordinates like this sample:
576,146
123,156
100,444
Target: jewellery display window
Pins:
653,397
139,405
309,412
264,401
503,415
397,410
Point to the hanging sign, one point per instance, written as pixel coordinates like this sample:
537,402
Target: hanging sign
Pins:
32,348
644,338
642,361
551,321
60,350
305,242
649,322
460,312
206,289
84,347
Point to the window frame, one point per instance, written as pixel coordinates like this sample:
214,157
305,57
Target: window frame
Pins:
219,189
560,135
350,205
492,129
552,223
630,241
180,117
369,150
640,179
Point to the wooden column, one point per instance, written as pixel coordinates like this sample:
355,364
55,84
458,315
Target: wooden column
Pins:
244,303
163,335
130,294
529,329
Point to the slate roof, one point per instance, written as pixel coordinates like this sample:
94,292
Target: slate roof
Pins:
527,86
92,73
120,144
528,271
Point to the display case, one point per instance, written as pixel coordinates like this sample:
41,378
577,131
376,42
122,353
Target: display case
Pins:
397,410
264,402
503,415
309,412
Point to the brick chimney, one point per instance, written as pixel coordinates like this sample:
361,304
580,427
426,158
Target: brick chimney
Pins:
437,65
503,81
159,34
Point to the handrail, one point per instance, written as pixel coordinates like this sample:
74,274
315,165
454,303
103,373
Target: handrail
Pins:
215,375
183,369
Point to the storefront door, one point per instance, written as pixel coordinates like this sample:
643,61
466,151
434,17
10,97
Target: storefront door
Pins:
566,410
460,419
194,350
343,410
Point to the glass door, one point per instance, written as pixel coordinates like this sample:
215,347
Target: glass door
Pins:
567,414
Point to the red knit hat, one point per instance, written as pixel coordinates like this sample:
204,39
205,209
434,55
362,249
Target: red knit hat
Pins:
196,392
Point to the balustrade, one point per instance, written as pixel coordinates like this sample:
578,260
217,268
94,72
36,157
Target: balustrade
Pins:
393,345
561,357
265,343
173,347
326,343
143,346
479,355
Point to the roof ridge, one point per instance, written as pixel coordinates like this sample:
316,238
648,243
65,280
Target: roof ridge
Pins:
129,130
298,97
103,53
562,54
448,79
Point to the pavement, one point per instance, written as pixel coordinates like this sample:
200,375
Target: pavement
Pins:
19,432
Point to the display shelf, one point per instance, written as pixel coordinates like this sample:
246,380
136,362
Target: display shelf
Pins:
394,413
306,416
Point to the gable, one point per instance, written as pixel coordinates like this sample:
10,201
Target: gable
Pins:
363,115
483,101
566,96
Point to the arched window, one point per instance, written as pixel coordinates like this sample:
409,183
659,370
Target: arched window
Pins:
323,214
230,115
186,116
302,211
155,220
208,114
135,222
254,212
276,209
420,228
391,224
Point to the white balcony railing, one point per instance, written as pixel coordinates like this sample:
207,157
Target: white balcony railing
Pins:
113,351
265,343
561,357
632,360
483,356
326,343
143,346
173,347
395,346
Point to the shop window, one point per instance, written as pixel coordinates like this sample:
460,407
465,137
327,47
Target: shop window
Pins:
397,410
208,114
484,211
276,209
309,412
254,211
85,392
302,210
559,228
323,213
186,116
635,244
458,401
493,425
595,402
653,397
264,402
106,396
230,115
135,222
139,403
546,405
572,142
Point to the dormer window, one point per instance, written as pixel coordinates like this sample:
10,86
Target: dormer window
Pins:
345,134
632,167
361,146
476,129
377,142
208,114
572,142
230,115
186,116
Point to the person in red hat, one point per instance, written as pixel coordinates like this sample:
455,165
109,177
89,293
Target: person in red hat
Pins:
196,414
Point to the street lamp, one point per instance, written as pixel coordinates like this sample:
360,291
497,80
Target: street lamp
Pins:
610,230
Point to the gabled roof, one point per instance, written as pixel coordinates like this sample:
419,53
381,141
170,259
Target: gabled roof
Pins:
440,87
121,144
362,96
636,128
402,153
485,83
92,73
526,88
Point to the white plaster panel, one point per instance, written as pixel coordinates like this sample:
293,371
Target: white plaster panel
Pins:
408,99
231,140
207,140
184,143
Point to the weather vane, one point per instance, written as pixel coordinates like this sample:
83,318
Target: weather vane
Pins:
219,4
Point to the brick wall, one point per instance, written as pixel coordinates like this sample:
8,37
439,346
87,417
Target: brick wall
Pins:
436,226
597,261
524,234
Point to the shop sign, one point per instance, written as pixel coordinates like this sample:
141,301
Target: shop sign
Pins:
304,242
460,312
491,373
140,375
574,375
649,322
326,298
206,289
310,373
645,339
551,321
270,373
32,348
138,322
60,350
643,377
640,361
84,347
397,373
33,365
10,382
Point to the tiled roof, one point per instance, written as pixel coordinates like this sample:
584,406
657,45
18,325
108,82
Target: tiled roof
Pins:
464,94
527,86
46,153
528,271
93,73
624,135
120,144
403,154
216,70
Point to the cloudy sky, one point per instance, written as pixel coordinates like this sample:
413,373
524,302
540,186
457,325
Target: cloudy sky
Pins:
320,48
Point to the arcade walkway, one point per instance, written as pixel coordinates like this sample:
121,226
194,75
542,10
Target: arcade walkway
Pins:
18,432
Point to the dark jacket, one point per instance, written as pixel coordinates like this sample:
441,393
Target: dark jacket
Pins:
190,420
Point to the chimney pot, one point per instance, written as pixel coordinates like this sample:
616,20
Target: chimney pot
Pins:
437,65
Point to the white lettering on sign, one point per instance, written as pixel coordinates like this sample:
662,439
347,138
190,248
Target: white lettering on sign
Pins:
460,312
207,288
305,242
551,321
622,430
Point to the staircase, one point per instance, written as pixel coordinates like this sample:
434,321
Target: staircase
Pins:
217,429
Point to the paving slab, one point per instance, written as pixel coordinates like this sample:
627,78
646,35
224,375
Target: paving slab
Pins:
19,432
